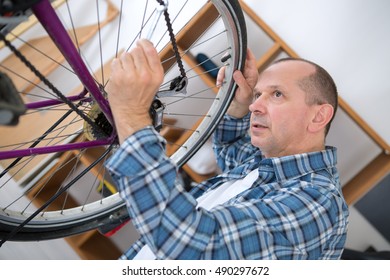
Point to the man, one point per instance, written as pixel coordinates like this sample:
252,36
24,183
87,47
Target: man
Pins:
279,195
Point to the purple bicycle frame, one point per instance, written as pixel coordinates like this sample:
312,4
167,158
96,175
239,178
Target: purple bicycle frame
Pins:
53,26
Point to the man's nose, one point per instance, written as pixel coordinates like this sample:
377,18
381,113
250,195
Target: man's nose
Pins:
258,105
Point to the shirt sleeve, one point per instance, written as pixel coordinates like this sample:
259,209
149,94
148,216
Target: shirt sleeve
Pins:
232,144
157,203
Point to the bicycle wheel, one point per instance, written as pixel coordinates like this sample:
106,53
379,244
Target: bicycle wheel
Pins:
70,188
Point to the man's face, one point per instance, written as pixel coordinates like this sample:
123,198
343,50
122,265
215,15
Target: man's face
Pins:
280,115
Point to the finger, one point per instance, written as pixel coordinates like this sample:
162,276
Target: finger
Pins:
127,62
116,68
250,55
220,76
151,55
250,71
115,65
140,58
250,62
241,82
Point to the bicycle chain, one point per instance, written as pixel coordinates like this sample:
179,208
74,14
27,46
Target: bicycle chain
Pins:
48,83
173,40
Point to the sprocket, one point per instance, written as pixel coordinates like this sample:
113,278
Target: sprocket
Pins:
105,128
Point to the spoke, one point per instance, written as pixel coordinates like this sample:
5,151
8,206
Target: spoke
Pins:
132,41
180,127
181,98
143,18
100,39
93,185
51,108
208,39
44,183
183,53
71,173
119,30
103,180
89,192
138,34
42,53
51,130
27,143
29,81
73,27
209,59
27,161
187,115
77,44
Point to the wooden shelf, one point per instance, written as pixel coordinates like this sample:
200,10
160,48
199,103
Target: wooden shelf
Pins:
93,246
375,171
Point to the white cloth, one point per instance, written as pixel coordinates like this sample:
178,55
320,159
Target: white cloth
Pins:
209,200
203,161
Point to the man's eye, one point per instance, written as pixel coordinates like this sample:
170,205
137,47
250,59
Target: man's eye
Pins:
257,95
278,94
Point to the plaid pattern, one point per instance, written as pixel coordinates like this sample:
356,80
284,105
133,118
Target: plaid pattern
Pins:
294,209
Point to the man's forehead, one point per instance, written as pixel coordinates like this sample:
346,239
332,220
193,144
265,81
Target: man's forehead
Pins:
291,66
288,70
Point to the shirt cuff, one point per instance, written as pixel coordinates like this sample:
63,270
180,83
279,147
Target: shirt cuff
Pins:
138,154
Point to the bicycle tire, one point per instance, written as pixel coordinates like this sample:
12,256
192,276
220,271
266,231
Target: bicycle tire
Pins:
58,223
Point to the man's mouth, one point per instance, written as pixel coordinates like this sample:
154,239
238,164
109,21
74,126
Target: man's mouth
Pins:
256,125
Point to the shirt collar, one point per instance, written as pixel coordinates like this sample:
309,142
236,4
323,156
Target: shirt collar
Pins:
293,166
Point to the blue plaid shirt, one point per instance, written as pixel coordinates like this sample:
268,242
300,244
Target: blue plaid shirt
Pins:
294,209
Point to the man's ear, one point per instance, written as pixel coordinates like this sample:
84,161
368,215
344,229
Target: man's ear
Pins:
322,115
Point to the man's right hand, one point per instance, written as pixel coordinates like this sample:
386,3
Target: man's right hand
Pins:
246,82
135,78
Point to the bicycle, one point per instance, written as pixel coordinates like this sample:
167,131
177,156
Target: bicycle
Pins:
70,129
